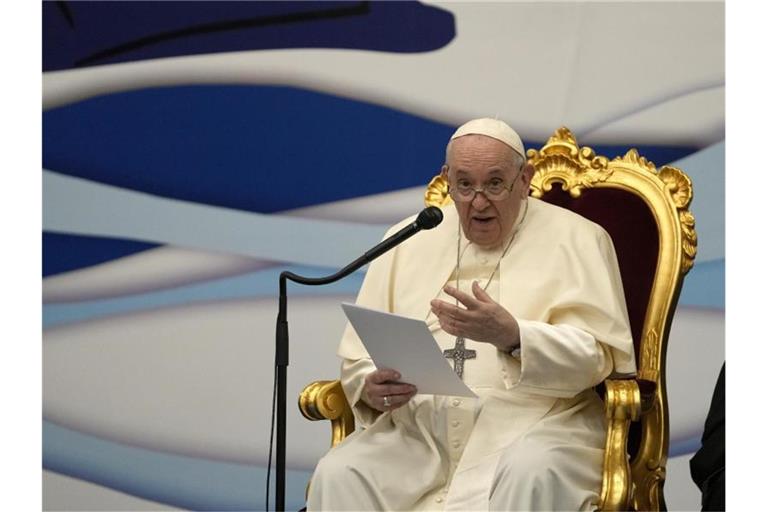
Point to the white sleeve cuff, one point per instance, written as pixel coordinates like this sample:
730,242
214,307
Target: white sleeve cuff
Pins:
555,360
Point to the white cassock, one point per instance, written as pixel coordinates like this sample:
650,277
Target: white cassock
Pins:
534,437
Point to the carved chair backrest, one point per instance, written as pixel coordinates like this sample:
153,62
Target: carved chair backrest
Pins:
645,210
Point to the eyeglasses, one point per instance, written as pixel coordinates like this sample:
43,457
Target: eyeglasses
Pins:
495,190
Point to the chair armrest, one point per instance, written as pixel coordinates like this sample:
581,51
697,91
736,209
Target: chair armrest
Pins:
623,404
325,400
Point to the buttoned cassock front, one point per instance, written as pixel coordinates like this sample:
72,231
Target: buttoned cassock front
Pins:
533,439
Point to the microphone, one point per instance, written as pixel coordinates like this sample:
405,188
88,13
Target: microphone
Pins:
428,218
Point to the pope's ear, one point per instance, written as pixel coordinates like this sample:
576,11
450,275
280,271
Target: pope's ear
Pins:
444,171
528,171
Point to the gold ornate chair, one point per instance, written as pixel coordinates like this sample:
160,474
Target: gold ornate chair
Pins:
645,210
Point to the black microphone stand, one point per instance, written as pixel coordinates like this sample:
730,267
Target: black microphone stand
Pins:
427,219
281,362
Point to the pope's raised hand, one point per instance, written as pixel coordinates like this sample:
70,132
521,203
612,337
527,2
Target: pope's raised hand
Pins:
383,391
481,318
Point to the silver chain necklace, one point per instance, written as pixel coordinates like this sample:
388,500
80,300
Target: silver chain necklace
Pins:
459,353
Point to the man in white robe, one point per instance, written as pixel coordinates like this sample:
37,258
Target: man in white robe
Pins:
535,291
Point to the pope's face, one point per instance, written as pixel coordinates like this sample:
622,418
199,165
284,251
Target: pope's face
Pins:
477,160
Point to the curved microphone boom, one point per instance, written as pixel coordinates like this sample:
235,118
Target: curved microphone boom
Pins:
428,218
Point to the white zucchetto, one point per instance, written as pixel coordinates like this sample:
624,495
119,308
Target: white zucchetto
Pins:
493,128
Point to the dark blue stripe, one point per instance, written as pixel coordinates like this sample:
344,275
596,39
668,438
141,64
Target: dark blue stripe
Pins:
704,286
684,446
254,148
63,253
77,34
261,149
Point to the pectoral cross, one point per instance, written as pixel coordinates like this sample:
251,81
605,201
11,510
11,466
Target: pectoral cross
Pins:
459,354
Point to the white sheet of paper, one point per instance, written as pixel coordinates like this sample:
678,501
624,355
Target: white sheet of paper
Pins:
407,346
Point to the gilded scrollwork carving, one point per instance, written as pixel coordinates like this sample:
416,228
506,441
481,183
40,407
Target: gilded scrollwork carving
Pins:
690,239
652,498
561,160
622,399
649,363
562,135
437,192
632,157
325,400
588,158
679,185
622,405
681,190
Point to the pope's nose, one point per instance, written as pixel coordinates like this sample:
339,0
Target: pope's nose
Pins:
480,202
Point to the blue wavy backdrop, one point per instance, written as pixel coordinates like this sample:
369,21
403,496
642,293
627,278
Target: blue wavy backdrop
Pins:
182,163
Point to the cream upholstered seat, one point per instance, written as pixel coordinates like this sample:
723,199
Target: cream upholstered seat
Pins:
645,210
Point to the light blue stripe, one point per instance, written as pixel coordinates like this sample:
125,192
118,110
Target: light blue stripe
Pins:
706,169
684,446
82,207
704,286
185,482
261,284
